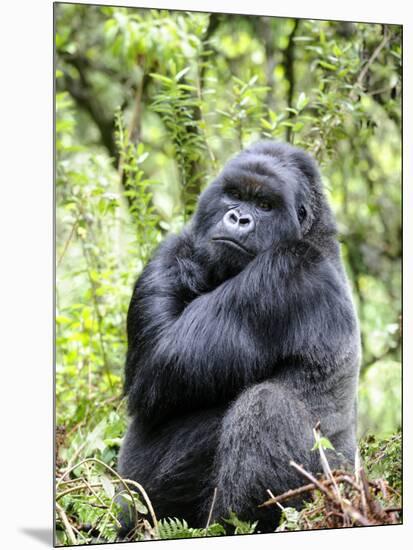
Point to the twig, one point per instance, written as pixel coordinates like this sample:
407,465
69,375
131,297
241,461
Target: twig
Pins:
280,506
345,505
366,491
288,494
66,523
357,465
212,508
70,464
363,72
124,482
324,461
313,480
66,245
306,489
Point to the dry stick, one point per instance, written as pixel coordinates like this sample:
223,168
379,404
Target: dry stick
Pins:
280,506
66,523
74,489
84,485
345,505
389,510
287,495
366,491
212,508
373,505
305,489
327,470
358,468
313,480
324,461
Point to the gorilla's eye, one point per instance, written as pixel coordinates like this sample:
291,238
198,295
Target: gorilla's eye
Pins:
302,214
234,194
264,205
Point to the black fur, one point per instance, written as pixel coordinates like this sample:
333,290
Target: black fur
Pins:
242,335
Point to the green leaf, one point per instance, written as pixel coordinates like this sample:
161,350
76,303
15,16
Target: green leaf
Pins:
161,78
323,443
181,74
266,124
326,65
302,101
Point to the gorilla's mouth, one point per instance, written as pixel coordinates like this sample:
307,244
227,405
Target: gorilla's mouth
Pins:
233,243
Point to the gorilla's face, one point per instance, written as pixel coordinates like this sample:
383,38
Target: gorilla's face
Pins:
257,201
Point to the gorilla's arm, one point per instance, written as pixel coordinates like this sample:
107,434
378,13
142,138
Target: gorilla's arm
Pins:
189,350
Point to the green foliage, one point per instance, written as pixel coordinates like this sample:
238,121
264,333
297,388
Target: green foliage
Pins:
173,528
138,191
380,398
179,106
194,88
90,493
102,442
383,458
290,520
241,527
246,108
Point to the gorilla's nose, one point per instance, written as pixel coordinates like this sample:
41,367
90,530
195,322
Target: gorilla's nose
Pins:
236,221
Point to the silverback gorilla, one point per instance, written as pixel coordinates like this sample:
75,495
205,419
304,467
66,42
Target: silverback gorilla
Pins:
242,336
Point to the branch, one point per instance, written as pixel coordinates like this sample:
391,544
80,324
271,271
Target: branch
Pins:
66,523
83,94
289,72
344,505
359,82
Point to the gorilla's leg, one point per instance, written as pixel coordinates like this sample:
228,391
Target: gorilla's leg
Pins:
265,428
173,464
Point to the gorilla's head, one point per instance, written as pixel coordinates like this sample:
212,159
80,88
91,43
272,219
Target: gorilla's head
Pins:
268,194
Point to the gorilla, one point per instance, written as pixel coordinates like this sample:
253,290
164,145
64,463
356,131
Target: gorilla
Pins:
242,336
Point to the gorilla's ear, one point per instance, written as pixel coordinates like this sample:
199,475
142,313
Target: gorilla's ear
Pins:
323,222
308,166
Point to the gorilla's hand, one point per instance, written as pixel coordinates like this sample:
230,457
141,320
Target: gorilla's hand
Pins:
187,278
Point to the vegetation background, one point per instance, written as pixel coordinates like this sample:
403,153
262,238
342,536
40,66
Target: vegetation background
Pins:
149,106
